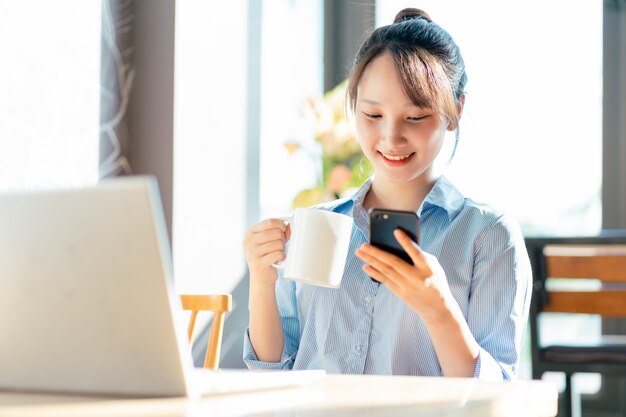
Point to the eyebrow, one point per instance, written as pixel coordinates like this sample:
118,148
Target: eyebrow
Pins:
371,101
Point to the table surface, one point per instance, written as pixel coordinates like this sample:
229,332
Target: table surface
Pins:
334,396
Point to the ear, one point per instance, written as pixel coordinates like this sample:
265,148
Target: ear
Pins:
459,112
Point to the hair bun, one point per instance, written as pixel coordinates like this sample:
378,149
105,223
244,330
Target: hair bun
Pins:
410,14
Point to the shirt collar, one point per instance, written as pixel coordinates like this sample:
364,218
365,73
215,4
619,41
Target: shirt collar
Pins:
360,216
359,196
443,195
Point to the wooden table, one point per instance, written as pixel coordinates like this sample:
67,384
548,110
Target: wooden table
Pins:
334,396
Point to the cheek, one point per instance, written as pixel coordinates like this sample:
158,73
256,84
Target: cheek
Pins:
435,135
366,134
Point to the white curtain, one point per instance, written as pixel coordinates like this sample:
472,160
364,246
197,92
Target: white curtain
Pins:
117,74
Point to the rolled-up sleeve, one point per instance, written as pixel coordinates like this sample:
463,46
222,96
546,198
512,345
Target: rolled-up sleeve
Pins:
288,310
500,299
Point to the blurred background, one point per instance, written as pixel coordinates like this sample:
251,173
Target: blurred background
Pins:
237,108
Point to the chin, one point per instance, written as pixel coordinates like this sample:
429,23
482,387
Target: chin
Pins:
397,179
405,177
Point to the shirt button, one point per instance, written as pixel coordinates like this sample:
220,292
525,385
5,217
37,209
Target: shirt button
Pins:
367,299
358,349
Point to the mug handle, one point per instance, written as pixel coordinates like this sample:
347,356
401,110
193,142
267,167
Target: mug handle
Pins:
281,264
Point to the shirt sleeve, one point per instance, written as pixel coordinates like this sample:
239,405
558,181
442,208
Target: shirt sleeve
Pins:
288,310
500,299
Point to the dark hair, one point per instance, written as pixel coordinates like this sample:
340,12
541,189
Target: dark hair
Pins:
426,57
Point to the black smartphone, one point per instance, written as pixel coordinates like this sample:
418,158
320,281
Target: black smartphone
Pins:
383,222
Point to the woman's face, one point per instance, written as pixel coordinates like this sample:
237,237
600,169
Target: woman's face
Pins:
400,139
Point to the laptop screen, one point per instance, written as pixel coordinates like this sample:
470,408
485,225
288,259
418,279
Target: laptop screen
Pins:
86,292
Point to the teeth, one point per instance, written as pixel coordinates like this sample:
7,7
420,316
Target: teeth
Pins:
395,157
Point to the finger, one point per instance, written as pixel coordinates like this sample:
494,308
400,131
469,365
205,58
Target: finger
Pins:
288,232
413,250
380,256
268,224
267,236
382,278
375,274
273,257
384,262
267,248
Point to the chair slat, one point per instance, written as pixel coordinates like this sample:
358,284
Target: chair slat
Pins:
605,303
219,302
212,357
584,250
604,263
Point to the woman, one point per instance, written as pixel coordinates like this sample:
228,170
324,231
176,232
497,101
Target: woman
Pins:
461,308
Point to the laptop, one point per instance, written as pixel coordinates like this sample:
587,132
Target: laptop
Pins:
87,300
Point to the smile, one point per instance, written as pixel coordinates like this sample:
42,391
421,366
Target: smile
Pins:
396,157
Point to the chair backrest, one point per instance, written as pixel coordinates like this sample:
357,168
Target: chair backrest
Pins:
603,263
551,265
219,305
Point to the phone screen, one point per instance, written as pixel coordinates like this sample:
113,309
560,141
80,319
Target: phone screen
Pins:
383,222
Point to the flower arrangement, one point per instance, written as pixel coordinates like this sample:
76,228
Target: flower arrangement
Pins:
344,168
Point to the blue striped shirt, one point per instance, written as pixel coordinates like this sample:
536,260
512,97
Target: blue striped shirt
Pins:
363,328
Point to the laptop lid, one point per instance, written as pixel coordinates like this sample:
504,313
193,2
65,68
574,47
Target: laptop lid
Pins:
86,292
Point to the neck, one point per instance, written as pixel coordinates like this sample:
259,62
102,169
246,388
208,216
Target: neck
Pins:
398,196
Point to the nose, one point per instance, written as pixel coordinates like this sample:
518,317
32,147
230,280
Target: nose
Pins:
394,134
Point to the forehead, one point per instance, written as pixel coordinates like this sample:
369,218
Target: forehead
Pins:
381,82
412,79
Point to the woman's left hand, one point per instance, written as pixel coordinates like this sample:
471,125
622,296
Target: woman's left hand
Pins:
423,285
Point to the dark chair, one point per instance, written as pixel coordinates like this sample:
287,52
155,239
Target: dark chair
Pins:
602,258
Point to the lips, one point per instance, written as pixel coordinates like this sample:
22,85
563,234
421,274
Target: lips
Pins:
396,158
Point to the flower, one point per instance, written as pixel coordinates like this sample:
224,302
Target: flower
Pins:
338,178
344,168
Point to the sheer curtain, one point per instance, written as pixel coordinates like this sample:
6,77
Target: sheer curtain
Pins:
49,105
65,91
116,77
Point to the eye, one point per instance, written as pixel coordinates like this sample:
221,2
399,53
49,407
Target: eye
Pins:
416,118
371,115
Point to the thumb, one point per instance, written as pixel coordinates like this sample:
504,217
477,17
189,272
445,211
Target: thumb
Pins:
288,232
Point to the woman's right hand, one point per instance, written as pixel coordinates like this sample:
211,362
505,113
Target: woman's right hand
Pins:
264,245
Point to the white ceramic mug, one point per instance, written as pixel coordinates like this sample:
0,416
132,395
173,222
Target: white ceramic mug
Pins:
318,247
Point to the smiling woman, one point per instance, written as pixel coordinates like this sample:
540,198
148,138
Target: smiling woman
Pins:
459,307
50,101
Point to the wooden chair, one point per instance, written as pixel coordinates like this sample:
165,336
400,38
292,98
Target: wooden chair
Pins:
601,258
219,305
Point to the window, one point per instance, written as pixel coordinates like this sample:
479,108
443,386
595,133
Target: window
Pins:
209,145
292,70
531,133
50,101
